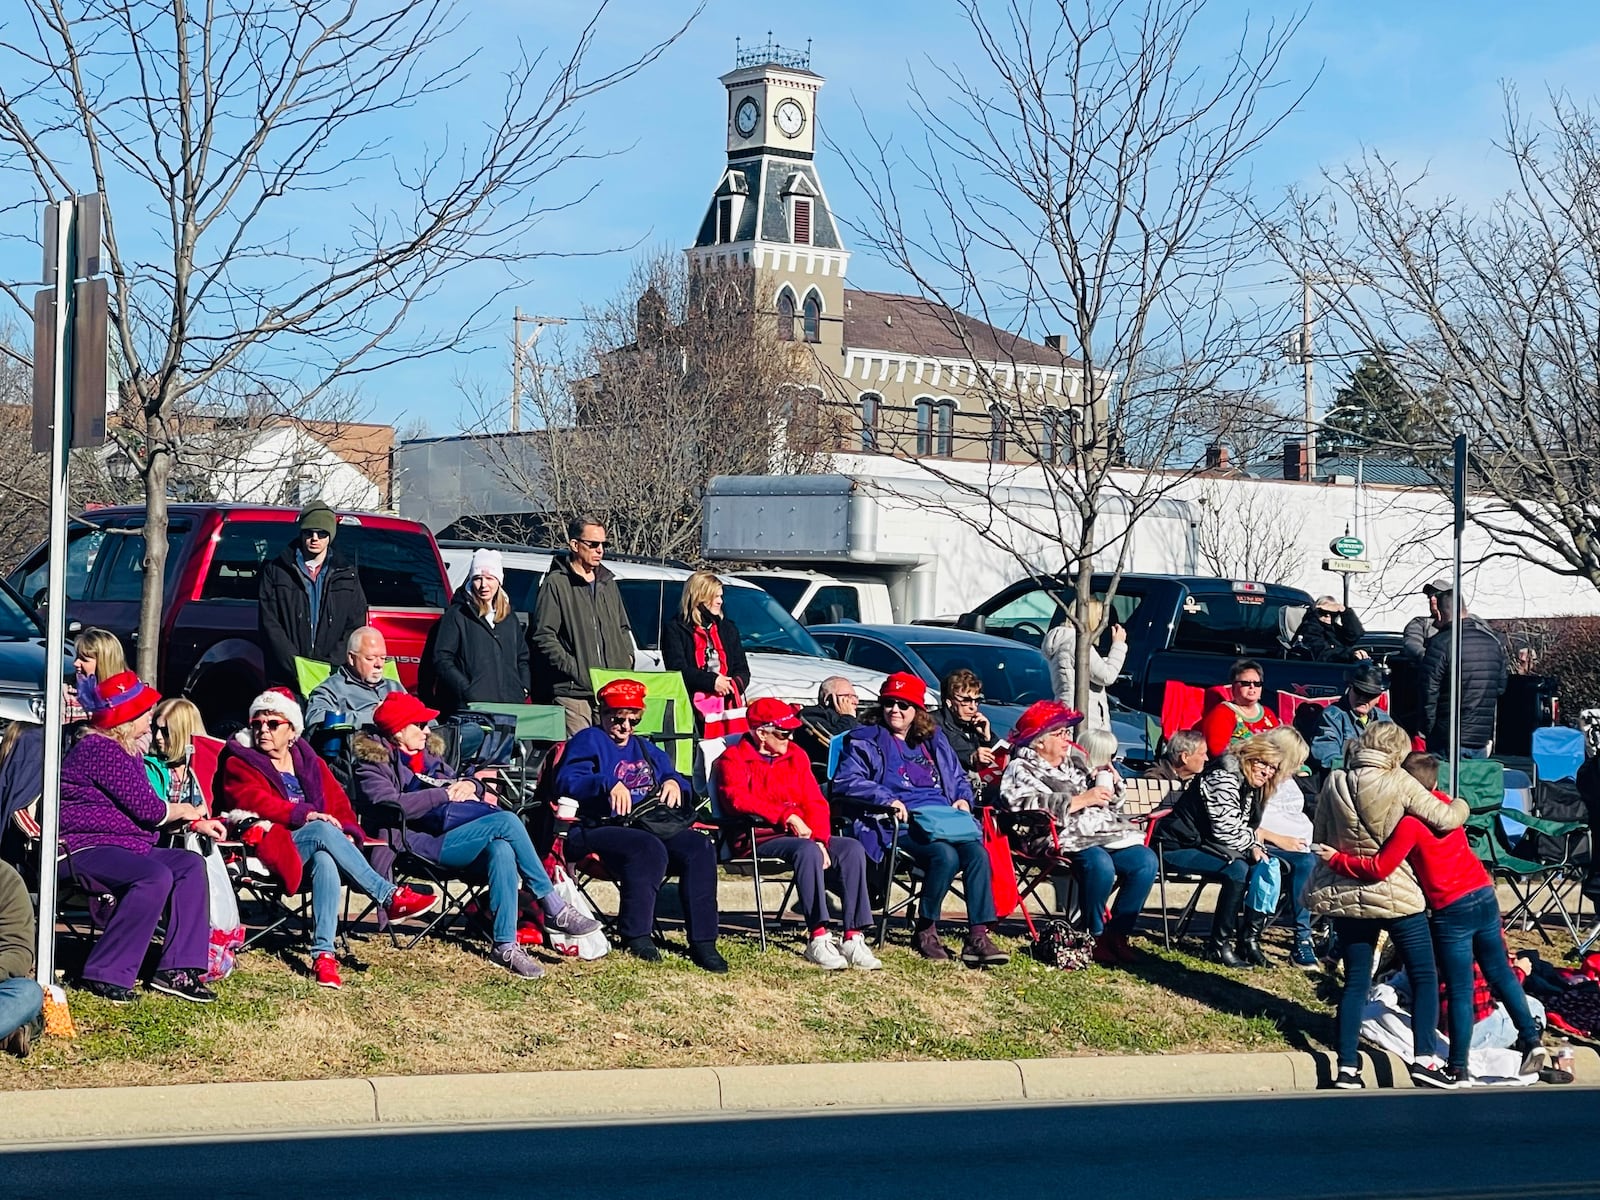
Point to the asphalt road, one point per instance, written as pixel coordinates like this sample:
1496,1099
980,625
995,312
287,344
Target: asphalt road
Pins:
1513,1143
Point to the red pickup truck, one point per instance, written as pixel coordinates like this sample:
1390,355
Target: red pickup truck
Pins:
210,647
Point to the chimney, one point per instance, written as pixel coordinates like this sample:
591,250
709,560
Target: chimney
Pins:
1052,341
1294,459
1216,457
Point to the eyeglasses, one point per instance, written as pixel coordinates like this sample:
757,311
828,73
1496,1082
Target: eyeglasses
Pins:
969,699
593,545
619,719
1248,682
268,724
893,703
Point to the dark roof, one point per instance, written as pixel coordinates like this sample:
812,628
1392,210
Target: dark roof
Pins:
1392,471
764,180
918,327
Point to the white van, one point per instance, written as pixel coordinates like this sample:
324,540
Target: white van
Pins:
814,598
785,660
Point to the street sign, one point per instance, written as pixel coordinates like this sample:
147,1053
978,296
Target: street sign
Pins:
1347,547
1349,566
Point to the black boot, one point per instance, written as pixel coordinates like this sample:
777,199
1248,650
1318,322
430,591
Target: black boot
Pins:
1220,948
1250,931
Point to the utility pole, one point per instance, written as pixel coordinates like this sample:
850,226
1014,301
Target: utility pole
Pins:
521,348
1305,366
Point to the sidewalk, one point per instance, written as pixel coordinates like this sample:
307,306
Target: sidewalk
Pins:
560,1097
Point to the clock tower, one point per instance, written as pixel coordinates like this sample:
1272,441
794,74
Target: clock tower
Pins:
768,211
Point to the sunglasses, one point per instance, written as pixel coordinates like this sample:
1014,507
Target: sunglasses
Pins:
269,724
969,699
159,730
320,534
905,704
591,544
783,735
1248,682
617,719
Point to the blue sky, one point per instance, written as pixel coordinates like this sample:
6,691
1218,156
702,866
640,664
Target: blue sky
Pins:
1419,81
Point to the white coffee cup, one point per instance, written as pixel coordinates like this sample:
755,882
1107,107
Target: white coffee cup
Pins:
566,808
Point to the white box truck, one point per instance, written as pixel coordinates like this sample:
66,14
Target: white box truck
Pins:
937,550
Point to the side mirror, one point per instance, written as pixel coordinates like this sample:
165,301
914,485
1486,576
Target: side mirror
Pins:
40,598
74,628
972,622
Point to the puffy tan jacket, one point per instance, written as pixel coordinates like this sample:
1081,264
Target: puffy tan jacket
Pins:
1356,813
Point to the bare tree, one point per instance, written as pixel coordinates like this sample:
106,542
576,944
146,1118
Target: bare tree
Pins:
214,132
1243,535
1078,180
1487,319
671,382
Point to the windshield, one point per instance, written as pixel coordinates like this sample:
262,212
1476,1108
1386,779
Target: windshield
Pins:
764,626
785,590
1010,674
16,623
1226,623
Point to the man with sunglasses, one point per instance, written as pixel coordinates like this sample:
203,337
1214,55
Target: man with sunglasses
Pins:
310,601
579,623
1242,713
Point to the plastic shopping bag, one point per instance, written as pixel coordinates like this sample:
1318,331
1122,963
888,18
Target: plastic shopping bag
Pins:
1266,886
588,946
227,930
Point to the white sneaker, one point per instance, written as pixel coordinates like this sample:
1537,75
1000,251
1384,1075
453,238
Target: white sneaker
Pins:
823,951
857,954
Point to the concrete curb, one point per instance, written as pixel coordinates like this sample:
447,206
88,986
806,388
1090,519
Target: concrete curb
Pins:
352,1105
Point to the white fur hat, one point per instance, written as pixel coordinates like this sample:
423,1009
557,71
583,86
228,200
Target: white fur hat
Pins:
487,562
281,703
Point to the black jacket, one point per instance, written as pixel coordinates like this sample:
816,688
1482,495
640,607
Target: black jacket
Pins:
473,661
1333,642
1483,679
965,738
576,628
284,614
677,654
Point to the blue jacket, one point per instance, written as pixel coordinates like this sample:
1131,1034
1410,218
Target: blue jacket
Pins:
865,774
593,764
1335,727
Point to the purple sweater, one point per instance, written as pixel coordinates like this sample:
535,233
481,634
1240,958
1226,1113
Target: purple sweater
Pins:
106,798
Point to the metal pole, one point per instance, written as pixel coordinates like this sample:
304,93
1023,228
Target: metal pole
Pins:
56,614
1459,488
516,370
1305,361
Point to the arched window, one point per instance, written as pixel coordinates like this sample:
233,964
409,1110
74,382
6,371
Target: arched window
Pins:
997,433
924,426
944,429
811,319
1056,443
786,316
870,404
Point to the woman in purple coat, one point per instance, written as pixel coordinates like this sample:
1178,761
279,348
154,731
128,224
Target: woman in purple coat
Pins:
109,820
901,760
453,822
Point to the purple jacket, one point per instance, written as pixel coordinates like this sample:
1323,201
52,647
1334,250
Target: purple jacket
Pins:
106,798
869,772
383,777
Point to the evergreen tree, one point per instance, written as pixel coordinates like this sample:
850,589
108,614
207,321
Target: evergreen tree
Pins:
1375,413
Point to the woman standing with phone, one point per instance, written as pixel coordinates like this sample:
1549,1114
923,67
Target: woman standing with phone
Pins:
702,644
1060,646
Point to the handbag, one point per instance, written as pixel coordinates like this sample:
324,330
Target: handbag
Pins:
1002,868
587,946
944,823
222,909
654,815
721,716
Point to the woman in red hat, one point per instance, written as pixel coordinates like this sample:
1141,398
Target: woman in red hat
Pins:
1048,772
609,772
268,773
765,775
110,817
900,760
453,822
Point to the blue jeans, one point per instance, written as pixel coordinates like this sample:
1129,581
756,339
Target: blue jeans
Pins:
1466,931
1099,870
20,1002
508,858
1300,864
939,862
325,849
1358,939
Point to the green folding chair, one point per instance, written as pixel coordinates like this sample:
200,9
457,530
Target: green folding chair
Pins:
311,673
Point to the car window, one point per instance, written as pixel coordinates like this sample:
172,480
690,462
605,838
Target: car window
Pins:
762,623
396,566
1010,674
117,574
782,588
874,656
1226,623
835,602
1025,618
16,623
833,643
522,588
83,547
642,599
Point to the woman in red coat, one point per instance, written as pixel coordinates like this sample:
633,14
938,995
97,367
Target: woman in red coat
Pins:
766,776
271,775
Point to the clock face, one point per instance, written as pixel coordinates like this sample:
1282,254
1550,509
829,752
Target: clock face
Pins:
791,117
745,117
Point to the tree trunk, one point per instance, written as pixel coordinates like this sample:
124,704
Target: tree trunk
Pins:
158,467
1084,589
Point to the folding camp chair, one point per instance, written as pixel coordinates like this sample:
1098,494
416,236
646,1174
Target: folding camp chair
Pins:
1537,886
1169,932
668,718
737,848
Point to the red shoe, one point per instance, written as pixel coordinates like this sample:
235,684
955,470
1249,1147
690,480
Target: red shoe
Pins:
327,968
529,934
407,903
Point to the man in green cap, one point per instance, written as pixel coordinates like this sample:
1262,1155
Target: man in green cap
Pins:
311,599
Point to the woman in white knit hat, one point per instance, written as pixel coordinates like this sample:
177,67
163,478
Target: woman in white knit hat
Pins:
479,654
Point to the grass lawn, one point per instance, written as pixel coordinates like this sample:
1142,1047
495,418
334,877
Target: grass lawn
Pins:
443,1008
